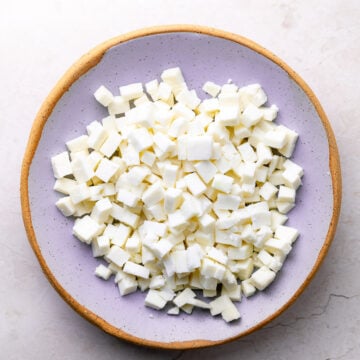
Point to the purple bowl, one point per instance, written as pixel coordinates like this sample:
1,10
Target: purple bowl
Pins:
202,54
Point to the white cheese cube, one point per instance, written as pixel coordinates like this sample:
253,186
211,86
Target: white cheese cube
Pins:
66,206
208,283
140,139
170,173
78,144
286,233
120,235
151,88
136,270
157,212
189,98
103,272
244,268
241,253
222,183
101,210
217,255
190,208
194,254
228,115
211,88
209,105
79,193
164,92
95,193
264,154
109,124
228,96
100,246
179,261
276,246
275,138
83,208
157,282
124,215
212,269
163,142
133,243
261,236
176,220
206,222
227,238
276,178
143,284
270,113
291,178
185,297
291,138
284,207
82,169
103,95
268,191
262,278
111,144
194,184
127,285
256,94
148,158
64,185
251,115
153,194
270,261
117,255
227,202
119,105
231,313
178,127
199,147
127,197
224,165
131,91
106,169
247,152
286,194
234,293
172,198
223,305
85,229
277,219
248,288
61,165
163,246
97,136
93,160
172,76
174,311
295,168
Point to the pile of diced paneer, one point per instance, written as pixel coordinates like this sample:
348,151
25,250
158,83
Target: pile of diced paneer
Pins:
183,198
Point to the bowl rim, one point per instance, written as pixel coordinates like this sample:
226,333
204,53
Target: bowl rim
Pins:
83,65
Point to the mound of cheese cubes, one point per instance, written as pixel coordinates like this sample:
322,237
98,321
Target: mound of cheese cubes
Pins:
179,194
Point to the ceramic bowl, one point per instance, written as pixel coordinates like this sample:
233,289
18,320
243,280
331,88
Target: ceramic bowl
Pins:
202,54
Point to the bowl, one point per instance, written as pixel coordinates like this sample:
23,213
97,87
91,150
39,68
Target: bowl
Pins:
202,54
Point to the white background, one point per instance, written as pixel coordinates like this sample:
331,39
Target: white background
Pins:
40,39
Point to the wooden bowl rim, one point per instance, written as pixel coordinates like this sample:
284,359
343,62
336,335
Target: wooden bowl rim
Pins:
84,64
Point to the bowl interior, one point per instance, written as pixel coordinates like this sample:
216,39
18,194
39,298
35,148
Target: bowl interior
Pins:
202,57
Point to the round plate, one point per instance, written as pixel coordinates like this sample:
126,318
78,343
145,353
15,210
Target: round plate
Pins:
202,54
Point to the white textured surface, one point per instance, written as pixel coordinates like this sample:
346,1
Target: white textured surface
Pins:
40,39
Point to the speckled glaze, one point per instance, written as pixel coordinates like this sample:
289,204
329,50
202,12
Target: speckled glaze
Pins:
203,54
